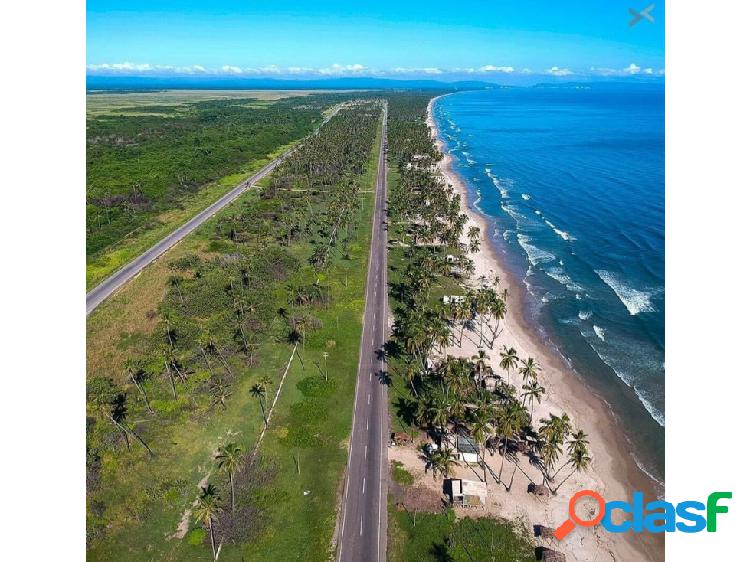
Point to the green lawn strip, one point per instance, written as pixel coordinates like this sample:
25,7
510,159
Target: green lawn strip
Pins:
441,536
101,266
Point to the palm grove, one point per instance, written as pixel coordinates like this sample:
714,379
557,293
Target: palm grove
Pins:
266,278
446,394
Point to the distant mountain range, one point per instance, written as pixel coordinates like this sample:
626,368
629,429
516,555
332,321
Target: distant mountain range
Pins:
231,83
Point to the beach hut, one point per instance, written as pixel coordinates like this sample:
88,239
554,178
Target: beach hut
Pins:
549,555
543,532
467,449
468,493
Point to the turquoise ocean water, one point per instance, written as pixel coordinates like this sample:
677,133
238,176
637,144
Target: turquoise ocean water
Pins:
571,179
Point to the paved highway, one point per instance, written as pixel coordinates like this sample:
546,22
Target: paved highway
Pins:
99,293
363,522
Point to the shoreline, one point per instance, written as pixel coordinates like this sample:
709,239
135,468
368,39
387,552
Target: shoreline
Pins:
614,471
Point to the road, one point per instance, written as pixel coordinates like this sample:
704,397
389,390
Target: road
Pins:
106,288
363,523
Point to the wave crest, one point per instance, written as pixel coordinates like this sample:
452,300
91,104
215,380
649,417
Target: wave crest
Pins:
636,301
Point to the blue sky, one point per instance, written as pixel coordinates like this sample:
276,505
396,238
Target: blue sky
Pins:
487,40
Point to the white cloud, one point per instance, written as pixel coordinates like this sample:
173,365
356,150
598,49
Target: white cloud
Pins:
229,69
342,69
493,68
632,69
557,71
423,70
120,67
648,71
603,71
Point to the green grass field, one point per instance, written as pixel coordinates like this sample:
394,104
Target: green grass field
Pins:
137,503
153,160
441,537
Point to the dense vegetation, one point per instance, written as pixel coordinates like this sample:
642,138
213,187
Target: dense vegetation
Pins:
440,537
272,293
434,391
144,161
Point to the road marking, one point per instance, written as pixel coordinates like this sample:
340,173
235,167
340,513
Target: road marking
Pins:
363,484
370,376
360,526
368,425
368,398
365,451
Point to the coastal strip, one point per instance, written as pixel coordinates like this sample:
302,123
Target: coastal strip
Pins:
614,471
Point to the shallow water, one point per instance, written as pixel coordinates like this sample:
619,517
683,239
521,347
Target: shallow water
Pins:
572,182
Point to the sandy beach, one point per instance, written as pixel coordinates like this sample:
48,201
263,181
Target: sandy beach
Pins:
613,472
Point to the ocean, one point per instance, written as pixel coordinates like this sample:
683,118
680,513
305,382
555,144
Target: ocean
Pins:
571,180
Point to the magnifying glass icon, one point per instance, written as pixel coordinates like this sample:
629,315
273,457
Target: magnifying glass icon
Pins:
562,531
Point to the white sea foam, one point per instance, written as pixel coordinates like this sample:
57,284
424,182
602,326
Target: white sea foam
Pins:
629,380
536,255
506,235
584,315
599,332
561,233
525,196
656,414
559,275
537,212
513,212
635,301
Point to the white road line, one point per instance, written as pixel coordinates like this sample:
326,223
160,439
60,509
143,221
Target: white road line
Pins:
360,526
368,398
370,376
365,451
363,484
368,425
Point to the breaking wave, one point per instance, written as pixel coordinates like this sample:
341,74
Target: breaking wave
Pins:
635,301
535,255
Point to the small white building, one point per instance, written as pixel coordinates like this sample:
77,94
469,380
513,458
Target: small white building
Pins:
468,493
466,450
450,258
451,299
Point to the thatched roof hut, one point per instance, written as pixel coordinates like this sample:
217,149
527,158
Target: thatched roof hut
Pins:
543,532
549,555
539,490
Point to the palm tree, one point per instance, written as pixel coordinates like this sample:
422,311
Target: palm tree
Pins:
207,511
139,376
442,461
481,361
229,459
436,413
497,309
553,432
508,360
480,433
464,314
532,392
529,369
578,456
513,417
410,371
258,390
